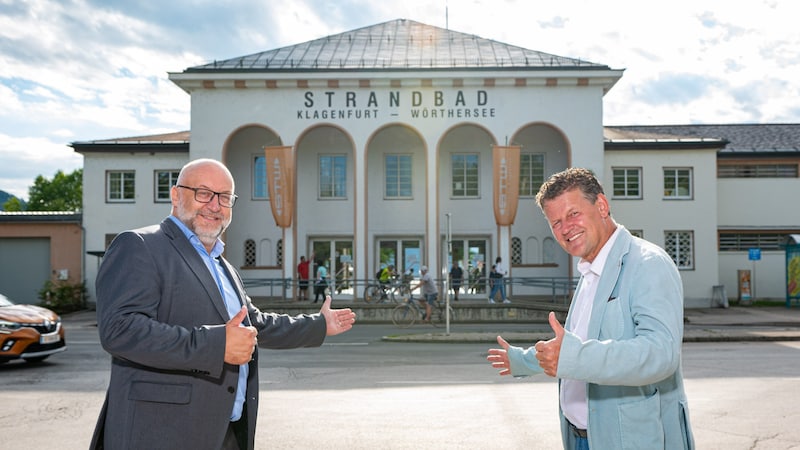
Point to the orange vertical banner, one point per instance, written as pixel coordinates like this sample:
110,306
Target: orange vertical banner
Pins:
506,183
280,182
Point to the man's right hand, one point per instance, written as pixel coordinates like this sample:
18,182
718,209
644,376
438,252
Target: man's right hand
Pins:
499,357
240,341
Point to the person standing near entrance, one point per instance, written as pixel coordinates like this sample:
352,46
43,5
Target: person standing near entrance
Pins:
618,356
173,314
456,275
498,273
302,278
320,281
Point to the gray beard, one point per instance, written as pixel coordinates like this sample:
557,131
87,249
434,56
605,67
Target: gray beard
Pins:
207,238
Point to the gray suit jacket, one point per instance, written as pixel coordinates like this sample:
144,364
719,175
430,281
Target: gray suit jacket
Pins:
162,318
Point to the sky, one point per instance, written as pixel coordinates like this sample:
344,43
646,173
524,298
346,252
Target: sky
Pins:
82,70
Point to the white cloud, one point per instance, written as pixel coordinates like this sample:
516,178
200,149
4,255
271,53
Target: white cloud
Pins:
26,158
95,69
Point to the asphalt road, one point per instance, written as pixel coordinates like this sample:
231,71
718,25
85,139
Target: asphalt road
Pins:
361,392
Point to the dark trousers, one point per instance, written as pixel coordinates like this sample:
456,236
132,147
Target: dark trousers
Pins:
319,291
236,437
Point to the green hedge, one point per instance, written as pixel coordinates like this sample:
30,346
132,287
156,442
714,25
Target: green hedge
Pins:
63,297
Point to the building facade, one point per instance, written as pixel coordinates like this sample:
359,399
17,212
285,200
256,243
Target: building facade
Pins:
37,247
392,131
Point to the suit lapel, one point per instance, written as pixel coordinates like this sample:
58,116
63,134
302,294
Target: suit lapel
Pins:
606,290
196,264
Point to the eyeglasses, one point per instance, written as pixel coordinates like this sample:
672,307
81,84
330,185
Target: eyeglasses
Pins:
206,195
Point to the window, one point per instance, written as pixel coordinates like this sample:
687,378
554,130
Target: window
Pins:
120,186
745,170
516,251
397,171
677,183
249,253
165,179
549,248
733,241
531,173
464,175
679,245
260,191
332,176
627,182
637,233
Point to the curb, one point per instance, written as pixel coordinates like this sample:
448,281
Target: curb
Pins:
707,335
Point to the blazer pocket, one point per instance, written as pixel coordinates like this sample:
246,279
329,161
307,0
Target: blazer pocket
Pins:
147,391
640,424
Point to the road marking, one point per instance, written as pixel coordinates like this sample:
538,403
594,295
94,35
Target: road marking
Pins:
430,382
345,344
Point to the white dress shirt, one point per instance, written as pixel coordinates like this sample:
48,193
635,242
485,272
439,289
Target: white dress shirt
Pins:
573,392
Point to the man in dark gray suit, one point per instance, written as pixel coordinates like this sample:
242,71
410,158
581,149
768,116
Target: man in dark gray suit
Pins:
183,333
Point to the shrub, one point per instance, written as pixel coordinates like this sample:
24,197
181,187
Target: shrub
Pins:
63,297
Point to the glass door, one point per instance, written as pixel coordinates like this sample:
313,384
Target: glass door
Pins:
471,254
404,254
336,254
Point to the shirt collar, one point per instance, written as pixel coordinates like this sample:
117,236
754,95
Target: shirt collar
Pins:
596,266
218,248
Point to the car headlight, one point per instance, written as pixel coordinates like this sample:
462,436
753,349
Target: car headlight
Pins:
9,326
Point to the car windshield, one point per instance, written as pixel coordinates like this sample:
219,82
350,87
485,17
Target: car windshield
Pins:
5,301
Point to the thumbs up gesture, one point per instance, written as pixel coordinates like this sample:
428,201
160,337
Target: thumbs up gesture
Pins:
547,352
240,341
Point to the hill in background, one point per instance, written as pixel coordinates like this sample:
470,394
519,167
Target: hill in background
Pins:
4,196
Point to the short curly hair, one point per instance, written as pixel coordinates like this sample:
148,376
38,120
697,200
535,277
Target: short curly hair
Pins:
567,180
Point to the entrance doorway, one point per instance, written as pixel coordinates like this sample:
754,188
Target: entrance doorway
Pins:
405,254
471,253
336,254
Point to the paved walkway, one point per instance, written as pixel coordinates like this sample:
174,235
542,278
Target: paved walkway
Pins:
737,323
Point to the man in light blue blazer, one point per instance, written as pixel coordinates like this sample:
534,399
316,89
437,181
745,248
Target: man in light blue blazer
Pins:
618,357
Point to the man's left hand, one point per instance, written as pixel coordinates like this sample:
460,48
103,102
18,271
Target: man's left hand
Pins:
338,320
547,352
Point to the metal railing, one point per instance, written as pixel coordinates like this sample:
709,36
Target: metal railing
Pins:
559,289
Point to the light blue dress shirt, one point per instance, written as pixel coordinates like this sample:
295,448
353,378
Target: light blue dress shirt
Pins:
232,302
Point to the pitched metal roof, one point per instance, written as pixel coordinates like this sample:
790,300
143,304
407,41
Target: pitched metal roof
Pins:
399,44
737,139
176,142
40,216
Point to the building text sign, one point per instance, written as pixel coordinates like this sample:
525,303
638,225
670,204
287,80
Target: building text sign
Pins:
415,104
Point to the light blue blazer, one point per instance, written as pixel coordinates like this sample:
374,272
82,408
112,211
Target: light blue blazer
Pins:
631,360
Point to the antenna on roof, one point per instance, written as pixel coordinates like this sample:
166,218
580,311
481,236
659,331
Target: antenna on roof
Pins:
446,17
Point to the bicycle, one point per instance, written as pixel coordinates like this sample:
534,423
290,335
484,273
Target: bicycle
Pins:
373,293
407,313
399,289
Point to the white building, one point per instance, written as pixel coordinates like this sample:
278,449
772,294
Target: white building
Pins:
392,129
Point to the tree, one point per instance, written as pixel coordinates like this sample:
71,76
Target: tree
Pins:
14,204
63,193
